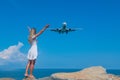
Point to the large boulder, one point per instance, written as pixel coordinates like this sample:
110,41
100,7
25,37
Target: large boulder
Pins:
92,73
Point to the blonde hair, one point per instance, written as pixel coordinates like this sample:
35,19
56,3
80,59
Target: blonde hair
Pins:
32,33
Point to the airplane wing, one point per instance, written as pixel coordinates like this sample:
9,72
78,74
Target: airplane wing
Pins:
53,29
56,30
74,29
70,30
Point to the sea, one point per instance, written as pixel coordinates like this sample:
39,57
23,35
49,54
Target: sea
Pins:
18,74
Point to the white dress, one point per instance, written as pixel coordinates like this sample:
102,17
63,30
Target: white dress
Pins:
33,53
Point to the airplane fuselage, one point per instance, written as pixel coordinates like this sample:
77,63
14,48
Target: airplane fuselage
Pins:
63,29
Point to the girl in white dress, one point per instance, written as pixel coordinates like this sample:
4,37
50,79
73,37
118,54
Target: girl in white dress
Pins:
33,53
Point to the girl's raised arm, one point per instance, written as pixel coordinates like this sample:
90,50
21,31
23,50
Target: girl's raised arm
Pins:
41,31
29,29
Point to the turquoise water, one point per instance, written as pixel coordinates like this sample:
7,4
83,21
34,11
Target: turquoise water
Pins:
39,73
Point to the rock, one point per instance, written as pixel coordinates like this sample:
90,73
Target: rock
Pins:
46,78
92,73
7,79
29,78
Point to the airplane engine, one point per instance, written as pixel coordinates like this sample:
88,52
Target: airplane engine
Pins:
69,29
57,29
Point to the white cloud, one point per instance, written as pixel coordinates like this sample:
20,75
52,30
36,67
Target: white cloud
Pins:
12,54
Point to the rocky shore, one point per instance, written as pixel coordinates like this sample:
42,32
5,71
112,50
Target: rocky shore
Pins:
92,73
7,79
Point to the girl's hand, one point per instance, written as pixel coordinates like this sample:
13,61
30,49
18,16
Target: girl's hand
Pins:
47,26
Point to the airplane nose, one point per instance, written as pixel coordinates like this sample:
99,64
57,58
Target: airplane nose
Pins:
64,23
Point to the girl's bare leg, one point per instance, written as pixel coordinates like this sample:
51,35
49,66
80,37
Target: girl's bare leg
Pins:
32,63
27,67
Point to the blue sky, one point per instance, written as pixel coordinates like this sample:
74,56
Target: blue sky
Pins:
97,44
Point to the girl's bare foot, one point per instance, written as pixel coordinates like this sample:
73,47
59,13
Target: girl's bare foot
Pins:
31,76
26,75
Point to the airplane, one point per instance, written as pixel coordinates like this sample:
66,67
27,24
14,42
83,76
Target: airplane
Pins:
63,29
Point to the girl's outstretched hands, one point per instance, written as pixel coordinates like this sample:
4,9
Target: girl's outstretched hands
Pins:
47,26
